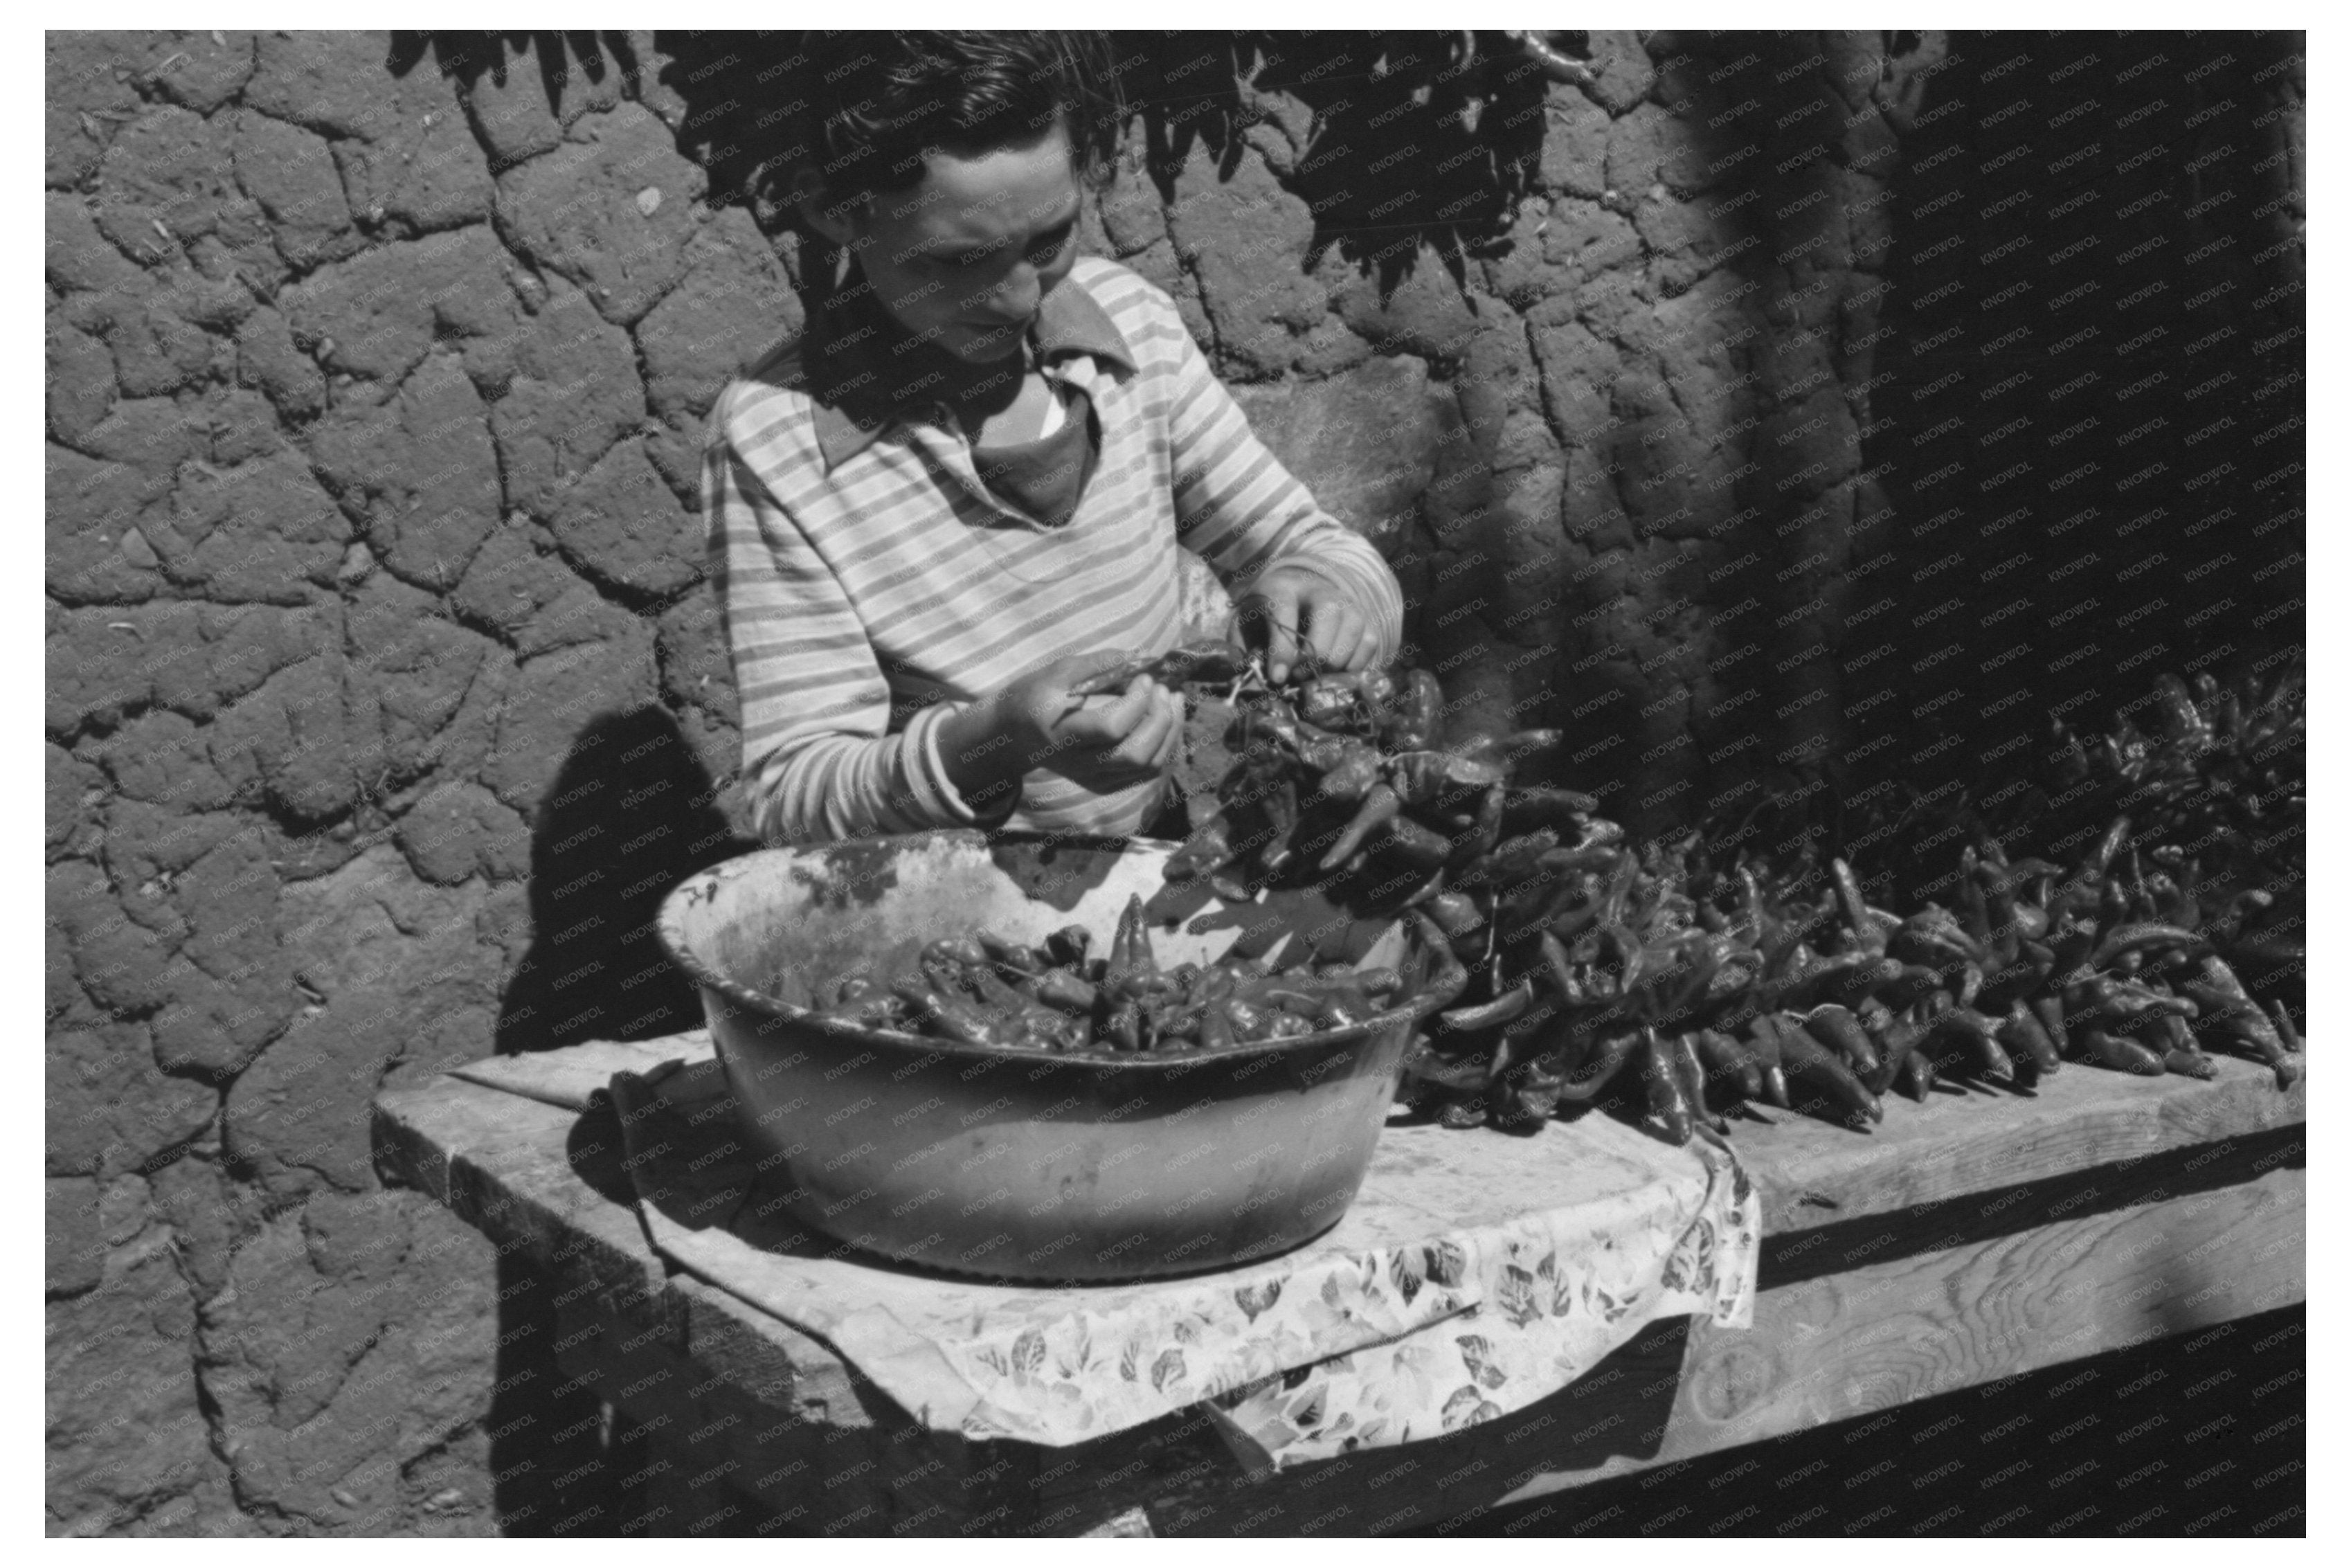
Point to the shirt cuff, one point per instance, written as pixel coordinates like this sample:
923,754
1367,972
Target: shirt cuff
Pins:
928,773
1348,583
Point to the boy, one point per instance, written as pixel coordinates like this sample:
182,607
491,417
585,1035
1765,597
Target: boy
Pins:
961,489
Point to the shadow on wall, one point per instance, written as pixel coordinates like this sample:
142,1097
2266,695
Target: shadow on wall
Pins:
629,816
554,55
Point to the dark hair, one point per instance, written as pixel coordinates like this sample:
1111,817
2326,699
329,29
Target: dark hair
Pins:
878,102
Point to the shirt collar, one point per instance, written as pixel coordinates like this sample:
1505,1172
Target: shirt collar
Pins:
864,373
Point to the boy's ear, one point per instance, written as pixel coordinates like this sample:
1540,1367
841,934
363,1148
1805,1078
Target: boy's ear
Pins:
828,218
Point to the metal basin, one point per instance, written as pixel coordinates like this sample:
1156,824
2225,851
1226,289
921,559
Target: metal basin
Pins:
1024,1165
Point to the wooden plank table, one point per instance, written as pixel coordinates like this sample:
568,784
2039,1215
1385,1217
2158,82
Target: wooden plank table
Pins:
1980,1236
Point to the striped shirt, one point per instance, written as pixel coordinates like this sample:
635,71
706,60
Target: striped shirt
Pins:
871,584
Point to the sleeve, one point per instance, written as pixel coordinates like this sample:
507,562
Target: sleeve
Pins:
818,762
1238,507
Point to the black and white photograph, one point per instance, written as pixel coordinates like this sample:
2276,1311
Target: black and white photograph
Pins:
1187,782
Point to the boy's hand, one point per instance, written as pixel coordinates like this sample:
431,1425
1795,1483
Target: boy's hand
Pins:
1140,728
1291,613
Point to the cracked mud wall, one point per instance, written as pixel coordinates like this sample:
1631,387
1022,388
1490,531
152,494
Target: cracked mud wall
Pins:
385,698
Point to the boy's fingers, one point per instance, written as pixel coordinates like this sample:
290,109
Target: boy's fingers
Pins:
1135,707
1105,719
1274,607
1140,747
1335,628
1364,648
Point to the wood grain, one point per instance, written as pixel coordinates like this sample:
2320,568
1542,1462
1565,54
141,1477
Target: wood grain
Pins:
1976,1238
1859,1341
513,1168
1825,1350
1958,1143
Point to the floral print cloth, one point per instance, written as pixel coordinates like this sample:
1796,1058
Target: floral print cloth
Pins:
1404,1321
1558,1291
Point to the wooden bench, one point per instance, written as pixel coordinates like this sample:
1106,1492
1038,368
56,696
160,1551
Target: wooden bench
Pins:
1980,1236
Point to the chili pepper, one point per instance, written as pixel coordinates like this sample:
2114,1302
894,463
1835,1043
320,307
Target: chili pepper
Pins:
1173,1021
1691,961
1064,989
1341,1010
852,987
962,951
2128,1055
1070,946
1207,661
1814,976
2189,1063
1933,940
1329,701
1228,889
1438,778
1812,1064
1419,716
1416,846
1121,1022
1249,1022
1856,908
2050,1013
1379,806
1762,1043
1306,1001
2118,833
1215,1027
1504,752
1512,859
1725,1056
1899,1041
1632,958
1007,956
945,1016
1209,847
2214,987
1354,776
1978,1039
1528,807
1456,914
1485,1015
944,975
1001,1002
1837,1028
1694,1078
1484,833
883,1010
1608,1057
1669,1100
1130,947
1850,987
2127,998
1143,987
1463,1113
2026,1040
1457,1072
1269,728
1376,686
1917,1076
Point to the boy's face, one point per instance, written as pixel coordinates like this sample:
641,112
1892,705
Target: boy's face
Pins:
963,259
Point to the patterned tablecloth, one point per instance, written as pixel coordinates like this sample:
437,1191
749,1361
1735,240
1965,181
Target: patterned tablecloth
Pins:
1474,1274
